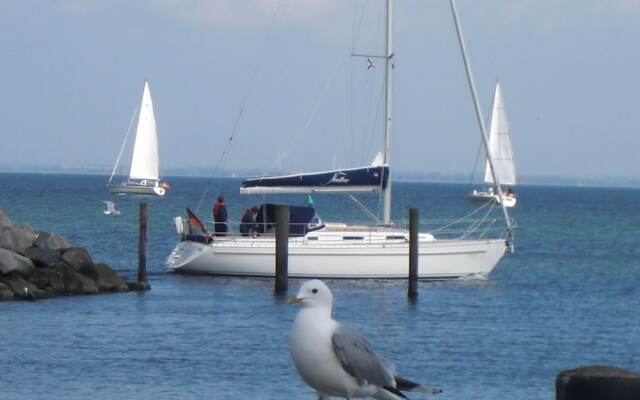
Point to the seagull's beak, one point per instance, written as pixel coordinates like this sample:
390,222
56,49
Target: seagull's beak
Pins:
294,300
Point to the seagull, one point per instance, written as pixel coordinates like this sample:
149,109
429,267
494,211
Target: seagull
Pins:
111,208
370,64
337,361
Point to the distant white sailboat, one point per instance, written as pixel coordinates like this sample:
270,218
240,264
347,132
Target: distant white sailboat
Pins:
144,174
502,155
111,208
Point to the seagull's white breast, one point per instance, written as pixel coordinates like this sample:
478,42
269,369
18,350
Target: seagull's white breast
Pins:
313,356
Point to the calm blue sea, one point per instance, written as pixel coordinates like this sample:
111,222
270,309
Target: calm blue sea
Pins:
569,296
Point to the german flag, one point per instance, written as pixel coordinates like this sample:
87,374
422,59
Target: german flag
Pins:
194,222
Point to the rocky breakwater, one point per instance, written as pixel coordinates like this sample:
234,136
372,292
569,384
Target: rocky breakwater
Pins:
37,265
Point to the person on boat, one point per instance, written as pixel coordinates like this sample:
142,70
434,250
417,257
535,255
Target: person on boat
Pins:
220,217
248,222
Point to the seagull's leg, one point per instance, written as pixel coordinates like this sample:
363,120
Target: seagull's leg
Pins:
322,396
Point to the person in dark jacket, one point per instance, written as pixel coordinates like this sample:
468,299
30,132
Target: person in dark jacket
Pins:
220,217
248,223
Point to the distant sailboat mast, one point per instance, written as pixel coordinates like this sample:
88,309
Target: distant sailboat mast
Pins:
388,106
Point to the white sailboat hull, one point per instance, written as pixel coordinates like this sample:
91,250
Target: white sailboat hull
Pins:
438,259
137,189
509,200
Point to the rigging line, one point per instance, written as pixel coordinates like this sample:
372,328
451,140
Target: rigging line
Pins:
488,121
372,122
364,209
302,131
126,137
475,164
243,103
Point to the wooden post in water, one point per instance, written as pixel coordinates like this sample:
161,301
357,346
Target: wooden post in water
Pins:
142,243
414,230
282,248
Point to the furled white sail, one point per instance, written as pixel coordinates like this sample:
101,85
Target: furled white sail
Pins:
500,144
144,163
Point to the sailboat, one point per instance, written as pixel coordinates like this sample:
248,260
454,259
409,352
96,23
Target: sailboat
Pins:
502,154
144,173
324,249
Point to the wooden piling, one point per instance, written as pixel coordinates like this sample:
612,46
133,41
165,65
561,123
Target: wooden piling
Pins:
282,248
414,230
142,243
597,382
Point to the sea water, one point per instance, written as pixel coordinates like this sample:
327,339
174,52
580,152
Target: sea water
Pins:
568,296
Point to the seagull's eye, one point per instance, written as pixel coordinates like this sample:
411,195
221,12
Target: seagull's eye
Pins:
314,291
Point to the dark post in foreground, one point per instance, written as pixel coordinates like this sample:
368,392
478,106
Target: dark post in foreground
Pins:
414,230
142,244
282,248
597,382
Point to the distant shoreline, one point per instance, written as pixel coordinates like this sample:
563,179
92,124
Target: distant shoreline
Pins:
555,181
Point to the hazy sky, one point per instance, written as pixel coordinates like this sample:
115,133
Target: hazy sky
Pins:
72,73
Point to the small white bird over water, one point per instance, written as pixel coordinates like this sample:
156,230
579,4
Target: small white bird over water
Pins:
111,208
335,360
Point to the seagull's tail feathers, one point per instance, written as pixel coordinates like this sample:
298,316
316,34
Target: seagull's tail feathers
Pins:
390,393
409,386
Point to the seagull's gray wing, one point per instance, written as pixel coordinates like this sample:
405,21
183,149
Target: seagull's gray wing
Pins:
359,360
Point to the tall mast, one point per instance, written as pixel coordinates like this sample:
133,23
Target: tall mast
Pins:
476,104
388,111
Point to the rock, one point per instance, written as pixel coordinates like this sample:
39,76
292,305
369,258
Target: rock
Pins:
74,282
5,292
79,259
48,241
6,238
5,220
43,257
139,286
108,280
23,289
48,279
10,261
24,237
597,382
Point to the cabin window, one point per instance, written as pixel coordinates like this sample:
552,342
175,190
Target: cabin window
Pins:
353,238
312,238
396,237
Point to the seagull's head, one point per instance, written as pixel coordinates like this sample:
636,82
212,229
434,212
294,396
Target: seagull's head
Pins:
313,293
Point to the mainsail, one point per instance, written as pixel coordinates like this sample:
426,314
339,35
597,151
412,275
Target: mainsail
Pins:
144,163
362,179
500,144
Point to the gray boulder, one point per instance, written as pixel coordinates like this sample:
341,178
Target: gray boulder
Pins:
49,280
74,282
79,259
48,241
6,238
23,289
10,261
42,257
5,292
108,280
5,220
24,237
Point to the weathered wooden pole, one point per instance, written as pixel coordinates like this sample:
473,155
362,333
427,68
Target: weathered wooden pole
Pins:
142,243
414,230
597,382
282,248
